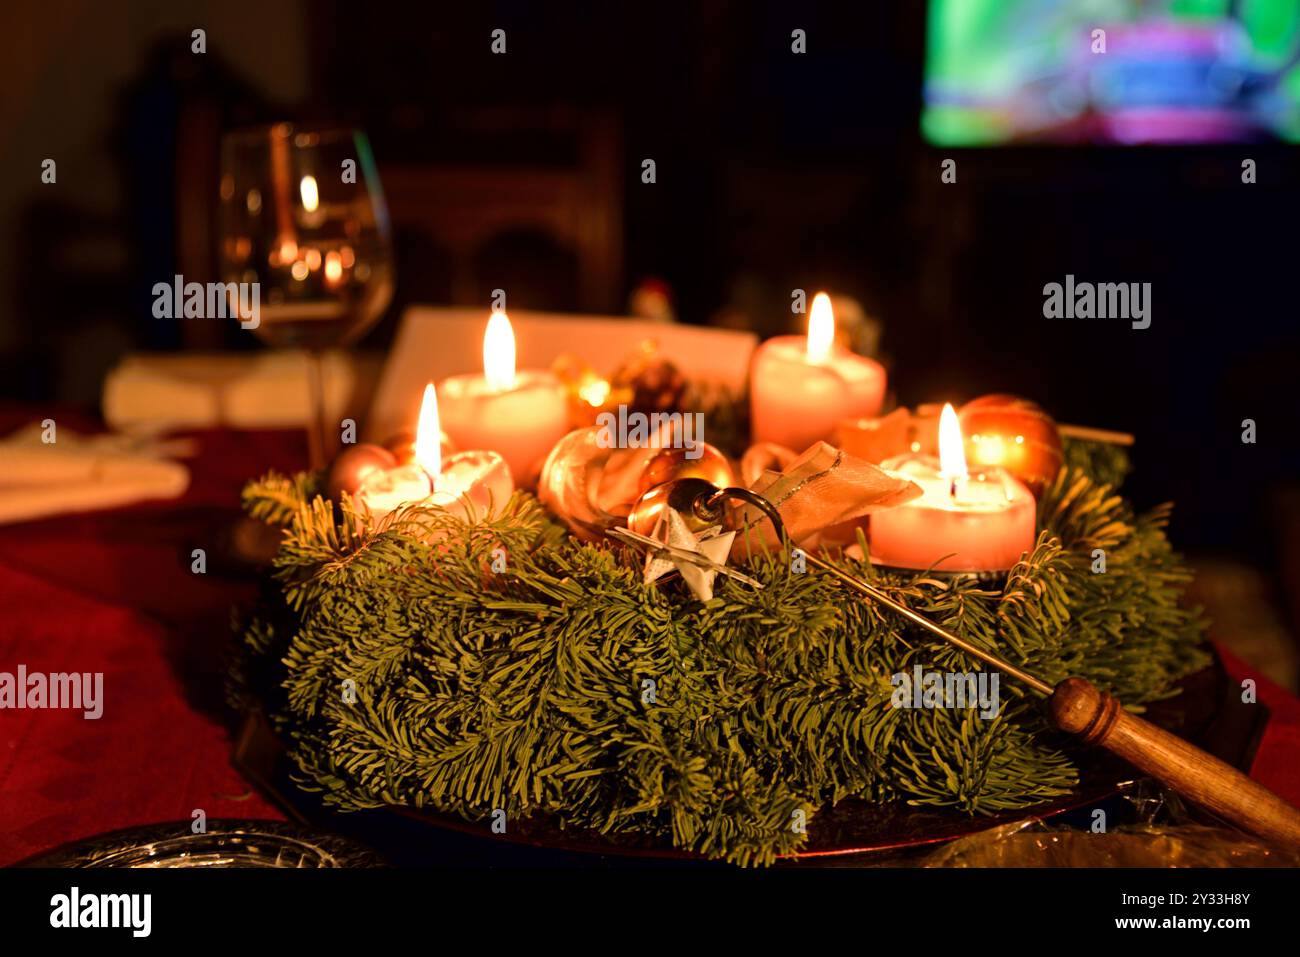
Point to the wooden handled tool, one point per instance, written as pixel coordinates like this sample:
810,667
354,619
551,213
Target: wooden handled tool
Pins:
1078,707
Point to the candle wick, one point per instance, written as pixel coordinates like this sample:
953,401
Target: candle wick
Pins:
952,488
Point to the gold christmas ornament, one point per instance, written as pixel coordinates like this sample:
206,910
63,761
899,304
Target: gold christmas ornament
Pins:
704,462
1014,434
352,466
588,394
676,495
588,485
654,383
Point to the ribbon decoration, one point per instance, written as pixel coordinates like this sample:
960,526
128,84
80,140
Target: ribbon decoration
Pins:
821,497
589,485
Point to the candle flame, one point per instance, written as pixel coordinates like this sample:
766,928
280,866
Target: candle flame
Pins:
952,456
499,353
428,435
821,328
333,267
310,193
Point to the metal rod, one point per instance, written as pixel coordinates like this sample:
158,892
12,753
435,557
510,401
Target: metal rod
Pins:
1077,707
953,639
710,503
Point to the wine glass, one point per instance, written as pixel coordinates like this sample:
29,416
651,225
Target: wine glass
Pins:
303,216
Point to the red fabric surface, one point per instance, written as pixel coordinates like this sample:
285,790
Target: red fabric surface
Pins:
114,593
1276,765
156,753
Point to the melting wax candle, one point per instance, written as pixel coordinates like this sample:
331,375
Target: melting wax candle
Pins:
473,485
521,415
801,388
961,522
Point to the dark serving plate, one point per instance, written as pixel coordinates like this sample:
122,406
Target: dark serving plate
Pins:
1207,712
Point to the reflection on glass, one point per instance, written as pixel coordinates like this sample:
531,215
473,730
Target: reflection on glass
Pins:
303,215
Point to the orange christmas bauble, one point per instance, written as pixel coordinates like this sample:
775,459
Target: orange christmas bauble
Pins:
1015,434
678,494
669,464
353,464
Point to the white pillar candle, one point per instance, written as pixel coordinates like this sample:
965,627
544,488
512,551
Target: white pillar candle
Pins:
800,388
520,415
386,490
473,485
961,522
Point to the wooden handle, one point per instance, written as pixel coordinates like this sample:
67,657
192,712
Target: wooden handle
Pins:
1095,435
1079,708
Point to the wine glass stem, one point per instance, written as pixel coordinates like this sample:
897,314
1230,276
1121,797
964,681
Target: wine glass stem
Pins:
316,442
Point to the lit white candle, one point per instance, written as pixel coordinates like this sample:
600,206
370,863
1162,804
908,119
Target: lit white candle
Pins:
800,388
473,485
961,522
521,415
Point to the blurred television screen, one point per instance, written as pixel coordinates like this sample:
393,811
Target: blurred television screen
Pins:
1111,71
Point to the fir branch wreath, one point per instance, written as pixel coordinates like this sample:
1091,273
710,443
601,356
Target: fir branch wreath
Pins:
525,689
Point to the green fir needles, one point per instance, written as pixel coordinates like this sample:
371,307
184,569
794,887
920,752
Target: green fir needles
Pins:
510,667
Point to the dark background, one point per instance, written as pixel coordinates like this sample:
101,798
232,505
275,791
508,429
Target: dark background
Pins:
775,171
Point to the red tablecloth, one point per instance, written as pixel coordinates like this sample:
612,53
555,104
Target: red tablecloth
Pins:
114,593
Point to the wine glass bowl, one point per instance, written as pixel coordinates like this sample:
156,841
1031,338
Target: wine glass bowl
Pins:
303,217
